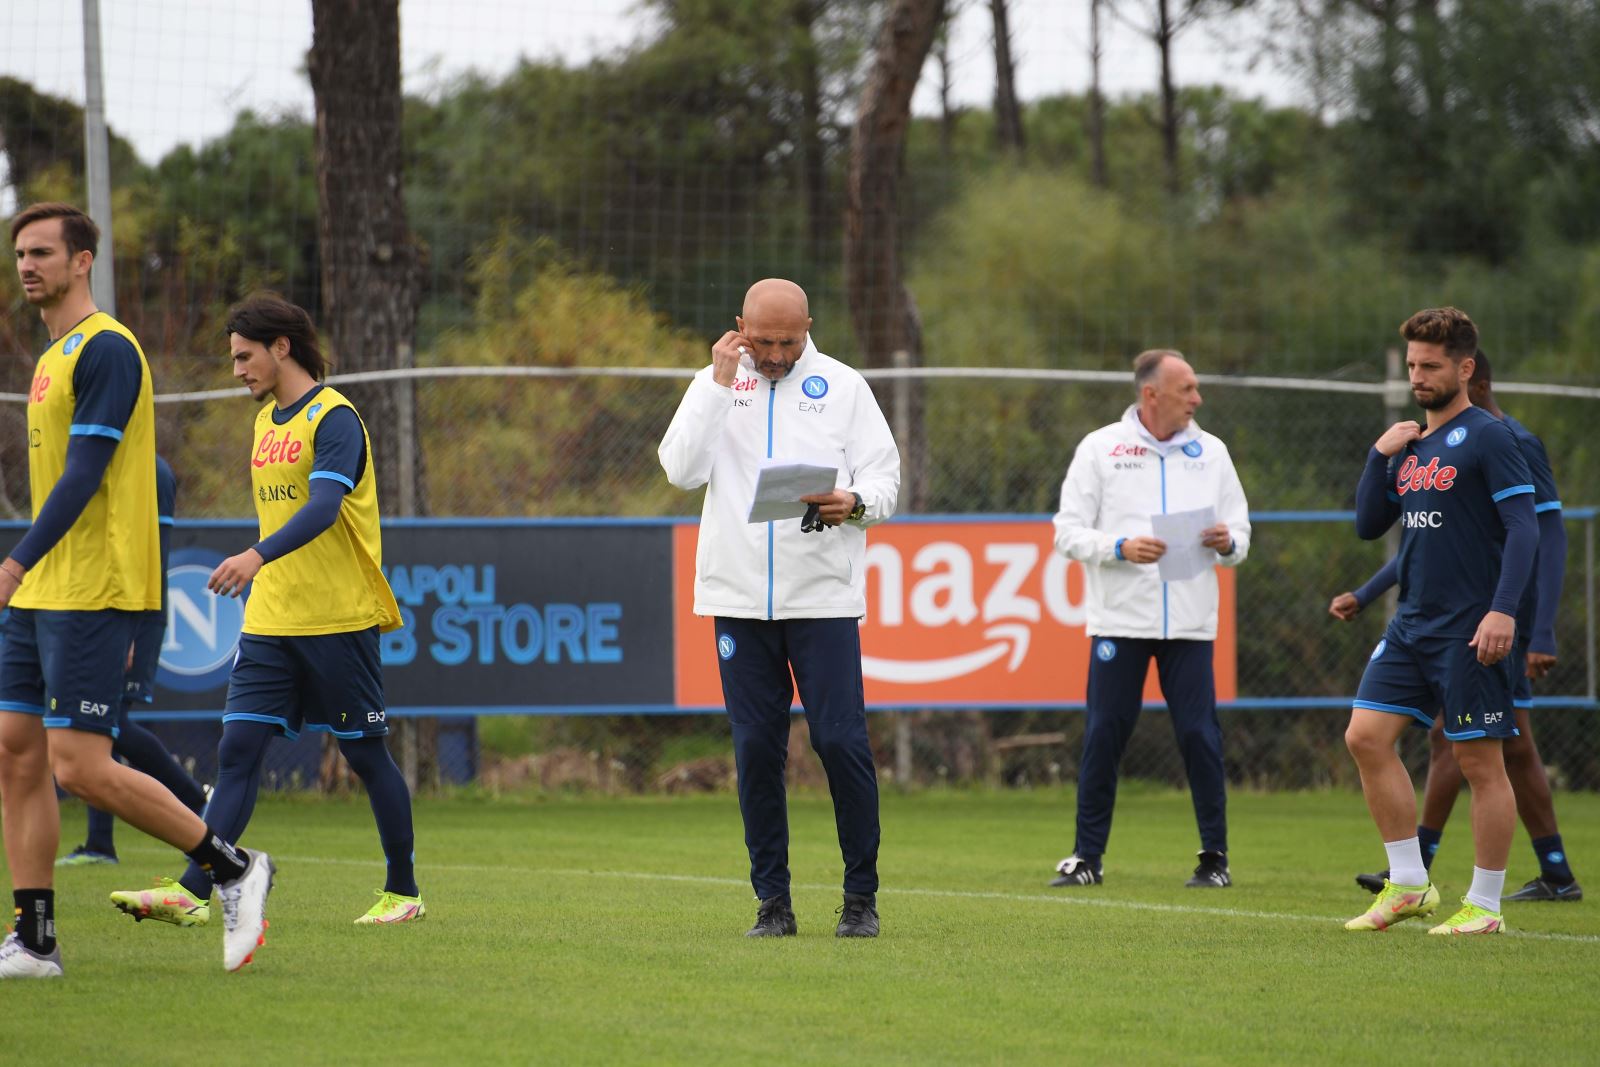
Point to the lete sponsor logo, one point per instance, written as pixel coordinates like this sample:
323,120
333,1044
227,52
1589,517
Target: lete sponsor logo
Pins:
976,613
274,449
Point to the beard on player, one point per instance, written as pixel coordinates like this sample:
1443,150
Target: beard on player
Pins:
1435,399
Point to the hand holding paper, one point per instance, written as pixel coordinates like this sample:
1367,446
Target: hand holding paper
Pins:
1186,556
780,486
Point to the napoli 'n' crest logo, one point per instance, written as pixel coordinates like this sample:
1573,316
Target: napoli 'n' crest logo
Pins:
1105,651
816,387
311,412
725,646
1379,650
1456,436
1192,449
72,344
202,628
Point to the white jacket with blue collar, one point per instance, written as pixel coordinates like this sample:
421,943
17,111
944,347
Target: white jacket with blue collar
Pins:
822,412
1119,477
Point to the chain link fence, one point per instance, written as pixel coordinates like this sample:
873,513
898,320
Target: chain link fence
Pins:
553,443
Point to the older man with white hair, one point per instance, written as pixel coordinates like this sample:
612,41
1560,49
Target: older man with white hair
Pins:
1154,461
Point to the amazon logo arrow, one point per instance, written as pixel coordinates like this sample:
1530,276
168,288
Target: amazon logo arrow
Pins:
1008,635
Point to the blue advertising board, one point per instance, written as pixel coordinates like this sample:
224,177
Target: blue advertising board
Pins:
526,616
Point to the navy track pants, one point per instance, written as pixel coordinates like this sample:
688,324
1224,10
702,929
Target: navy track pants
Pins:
1117,669
755,657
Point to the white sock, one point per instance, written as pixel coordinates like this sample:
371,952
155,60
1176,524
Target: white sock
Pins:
1405,862
1486,889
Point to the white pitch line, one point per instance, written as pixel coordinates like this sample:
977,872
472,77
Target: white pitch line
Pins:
911,891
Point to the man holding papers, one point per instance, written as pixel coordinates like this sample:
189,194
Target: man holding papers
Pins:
1149,505
782,572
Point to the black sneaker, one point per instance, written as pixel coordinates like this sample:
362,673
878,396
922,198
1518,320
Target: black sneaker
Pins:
1075,870
1373,883
858,916
1540,889
1212,872
774,918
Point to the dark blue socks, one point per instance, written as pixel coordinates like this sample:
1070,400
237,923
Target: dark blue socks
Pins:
1552,860
1428,839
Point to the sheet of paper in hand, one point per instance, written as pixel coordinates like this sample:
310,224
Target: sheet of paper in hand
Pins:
1185,557
782,483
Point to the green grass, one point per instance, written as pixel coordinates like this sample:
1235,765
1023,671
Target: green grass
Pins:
598,930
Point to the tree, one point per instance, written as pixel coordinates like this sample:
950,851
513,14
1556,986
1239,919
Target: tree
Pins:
369,262
1162,22
1097,101
1007,112
941,55
881,307
1468,124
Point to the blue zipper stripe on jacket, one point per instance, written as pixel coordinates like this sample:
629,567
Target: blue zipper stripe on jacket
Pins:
1163,460
772,394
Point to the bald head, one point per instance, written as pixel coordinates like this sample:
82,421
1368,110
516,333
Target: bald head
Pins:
775,323
776,298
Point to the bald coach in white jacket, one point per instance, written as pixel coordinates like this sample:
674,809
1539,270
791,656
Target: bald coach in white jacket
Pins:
1154,460
782,598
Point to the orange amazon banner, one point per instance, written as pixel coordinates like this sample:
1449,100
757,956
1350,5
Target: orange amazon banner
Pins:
982,613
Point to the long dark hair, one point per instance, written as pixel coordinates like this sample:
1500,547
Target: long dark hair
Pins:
265,317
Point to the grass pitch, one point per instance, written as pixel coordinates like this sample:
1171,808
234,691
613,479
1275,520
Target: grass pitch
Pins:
602,930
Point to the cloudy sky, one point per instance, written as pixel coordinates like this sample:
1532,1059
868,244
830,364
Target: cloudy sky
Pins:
179,70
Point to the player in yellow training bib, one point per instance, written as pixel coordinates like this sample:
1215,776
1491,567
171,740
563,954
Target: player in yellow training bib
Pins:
308,658
76,585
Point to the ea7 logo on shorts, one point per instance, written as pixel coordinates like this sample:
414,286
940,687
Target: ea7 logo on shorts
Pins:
1413,520
89,707
1492,717
376,716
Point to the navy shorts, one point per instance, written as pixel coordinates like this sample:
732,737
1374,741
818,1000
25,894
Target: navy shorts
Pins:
1416,675
67,666
327,682
1521,686
149,631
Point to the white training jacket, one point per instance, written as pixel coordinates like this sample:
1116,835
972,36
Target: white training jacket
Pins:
1119,477
822,412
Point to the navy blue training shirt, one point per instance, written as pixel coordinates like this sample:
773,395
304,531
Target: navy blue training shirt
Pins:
1548,563
1455,492
105,386
1552,561
166,510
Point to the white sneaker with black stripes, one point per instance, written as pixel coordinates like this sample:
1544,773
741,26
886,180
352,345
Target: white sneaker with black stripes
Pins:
19,961
1075,870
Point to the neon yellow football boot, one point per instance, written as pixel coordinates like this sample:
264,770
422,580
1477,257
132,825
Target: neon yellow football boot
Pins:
393,908
168,902
1396,903
1471,919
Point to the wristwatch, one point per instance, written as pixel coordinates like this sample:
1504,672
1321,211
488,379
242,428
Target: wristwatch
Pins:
858,512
